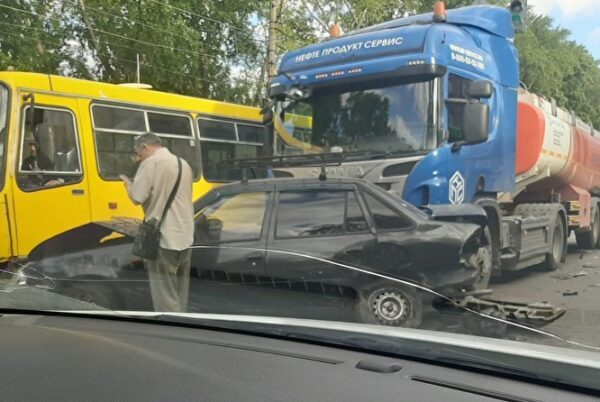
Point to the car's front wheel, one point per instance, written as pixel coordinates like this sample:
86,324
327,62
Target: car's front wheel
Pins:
387,303
103,296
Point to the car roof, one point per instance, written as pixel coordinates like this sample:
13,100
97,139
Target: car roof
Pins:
281,183
289,182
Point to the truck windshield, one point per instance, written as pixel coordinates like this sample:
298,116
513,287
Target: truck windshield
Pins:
3,131
393,119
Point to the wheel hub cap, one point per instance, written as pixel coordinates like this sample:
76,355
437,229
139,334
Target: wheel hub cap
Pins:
390,307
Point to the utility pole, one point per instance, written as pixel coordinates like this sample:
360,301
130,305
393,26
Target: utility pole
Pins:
272,44
137,59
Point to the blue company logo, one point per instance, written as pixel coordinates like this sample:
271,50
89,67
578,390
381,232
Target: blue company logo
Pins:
457,189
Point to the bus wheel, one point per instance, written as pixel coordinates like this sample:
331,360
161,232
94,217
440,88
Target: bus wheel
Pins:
386,303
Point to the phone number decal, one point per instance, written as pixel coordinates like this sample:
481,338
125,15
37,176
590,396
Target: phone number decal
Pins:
466,56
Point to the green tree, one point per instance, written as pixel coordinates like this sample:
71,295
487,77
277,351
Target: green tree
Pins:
556,67
31,36
184,46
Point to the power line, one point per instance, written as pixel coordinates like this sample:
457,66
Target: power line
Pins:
133,62
64,35
183,10
135,21
43,41
110,56
172,48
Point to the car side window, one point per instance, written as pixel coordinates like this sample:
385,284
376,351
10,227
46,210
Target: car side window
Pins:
49,149
355,218
236,217
384,217
318,213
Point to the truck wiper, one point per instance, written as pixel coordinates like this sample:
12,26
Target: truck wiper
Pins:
397,152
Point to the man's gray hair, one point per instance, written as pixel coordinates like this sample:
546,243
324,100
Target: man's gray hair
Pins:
148,139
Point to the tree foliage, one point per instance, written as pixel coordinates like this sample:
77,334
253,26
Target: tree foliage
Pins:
217,48
556,67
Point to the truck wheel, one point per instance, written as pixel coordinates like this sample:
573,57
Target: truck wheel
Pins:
589,240
484,261
386,303
555,255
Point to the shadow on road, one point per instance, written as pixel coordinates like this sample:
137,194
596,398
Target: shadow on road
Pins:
508,276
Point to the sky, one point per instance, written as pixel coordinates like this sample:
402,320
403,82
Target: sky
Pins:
581,17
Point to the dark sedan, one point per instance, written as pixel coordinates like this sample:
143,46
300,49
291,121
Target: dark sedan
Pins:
272,246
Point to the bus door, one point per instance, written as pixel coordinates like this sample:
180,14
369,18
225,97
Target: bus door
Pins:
6,244
51,195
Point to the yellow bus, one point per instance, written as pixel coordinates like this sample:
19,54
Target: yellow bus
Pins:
64,142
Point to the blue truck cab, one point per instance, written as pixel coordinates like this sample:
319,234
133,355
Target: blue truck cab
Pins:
404,99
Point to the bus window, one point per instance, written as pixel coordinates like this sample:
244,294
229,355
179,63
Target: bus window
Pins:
63,165
224,140
248,133
119,119
115,129
161,123
219,130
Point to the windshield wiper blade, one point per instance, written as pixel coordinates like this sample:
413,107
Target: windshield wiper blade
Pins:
411,152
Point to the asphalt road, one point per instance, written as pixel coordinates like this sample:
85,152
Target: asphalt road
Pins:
574,287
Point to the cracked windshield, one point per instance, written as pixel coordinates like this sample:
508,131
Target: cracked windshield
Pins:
327,161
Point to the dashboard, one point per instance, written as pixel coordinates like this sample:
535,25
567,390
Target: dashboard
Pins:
59,357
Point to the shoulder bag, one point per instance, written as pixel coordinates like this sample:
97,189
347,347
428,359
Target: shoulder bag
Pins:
147,240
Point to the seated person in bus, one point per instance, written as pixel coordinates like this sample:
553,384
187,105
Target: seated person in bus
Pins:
66,160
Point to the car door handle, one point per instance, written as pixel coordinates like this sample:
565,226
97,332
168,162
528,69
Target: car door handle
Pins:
255,256
353,250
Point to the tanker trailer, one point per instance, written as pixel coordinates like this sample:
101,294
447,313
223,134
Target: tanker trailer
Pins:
557,171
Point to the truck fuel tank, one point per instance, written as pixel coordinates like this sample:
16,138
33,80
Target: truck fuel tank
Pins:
551,148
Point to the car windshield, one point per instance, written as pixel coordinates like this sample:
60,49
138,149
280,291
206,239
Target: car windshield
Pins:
393,119
168,162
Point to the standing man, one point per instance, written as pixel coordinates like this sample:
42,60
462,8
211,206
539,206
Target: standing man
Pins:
153,183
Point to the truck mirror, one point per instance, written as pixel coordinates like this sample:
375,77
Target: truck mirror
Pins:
476,118
46,151
480,89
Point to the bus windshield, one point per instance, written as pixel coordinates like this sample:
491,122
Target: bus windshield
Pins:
394,119
3,131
